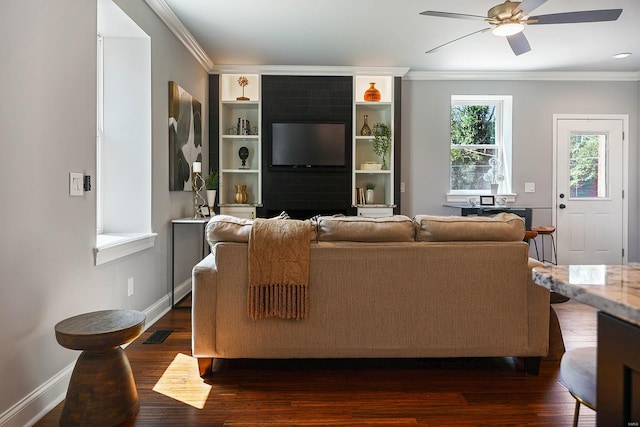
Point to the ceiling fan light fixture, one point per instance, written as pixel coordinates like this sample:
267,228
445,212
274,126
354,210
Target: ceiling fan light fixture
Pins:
508,29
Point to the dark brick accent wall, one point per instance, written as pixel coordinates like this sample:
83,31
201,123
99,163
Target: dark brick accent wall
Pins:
305,98
214,121
397,143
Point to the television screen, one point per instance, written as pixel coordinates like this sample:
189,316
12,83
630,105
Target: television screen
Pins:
308,144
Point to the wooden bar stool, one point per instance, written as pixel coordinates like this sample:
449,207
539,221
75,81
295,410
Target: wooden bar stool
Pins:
530,235
578,375
102,391
546,230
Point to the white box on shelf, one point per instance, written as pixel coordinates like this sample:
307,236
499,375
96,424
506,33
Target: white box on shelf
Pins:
371,166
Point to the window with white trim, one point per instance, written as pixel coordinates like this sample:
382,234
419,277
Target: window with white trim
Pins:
480,151
123,137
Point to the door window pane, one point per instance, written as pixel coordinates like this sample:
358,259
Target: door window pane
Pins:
588,166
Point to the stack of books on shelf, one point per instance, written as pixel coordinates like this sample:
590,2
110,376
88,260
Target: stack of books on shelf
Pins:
360,196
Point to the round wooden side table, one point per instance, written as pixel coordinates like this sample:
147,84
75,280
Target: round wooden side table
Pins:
102,391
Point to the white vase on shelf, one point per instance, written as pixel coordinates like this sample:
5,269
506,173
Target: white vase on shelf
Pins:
494,188
211,199
369,197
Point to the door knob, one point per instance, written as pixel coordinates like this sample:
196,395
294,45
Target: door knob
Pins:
562,206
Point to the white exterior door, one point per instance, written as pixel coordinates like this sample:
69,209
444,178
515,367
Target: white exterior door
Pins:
590,211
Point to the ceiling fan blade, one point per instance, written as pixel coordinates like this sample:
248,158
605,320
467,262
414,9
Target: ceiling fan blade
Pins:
528,6
519,43
453,15
577,17
459,38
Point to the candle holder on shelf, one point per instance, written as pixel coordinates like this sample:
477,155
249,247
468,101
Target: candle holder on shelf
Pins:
197,183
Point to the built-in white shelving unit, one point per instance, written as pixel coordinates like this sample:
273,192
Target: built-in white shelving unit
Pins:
377,112
240,126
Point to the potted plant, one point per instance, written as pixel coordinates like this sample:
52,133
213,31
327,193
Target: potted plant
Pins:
211,182
382,142
369,197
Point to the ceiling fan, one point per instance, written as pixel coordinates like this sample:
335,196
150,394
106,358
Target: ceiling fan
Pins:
509,19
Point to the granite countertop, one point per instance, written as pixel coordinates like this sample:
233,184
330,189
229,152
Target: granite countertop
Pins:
614,289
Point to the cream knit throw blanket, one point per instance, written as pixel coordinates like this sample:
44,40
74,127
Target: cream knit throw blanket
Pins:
279,269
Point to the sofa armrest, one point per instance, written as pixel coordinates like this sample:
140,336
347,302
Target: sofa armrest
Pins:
538,318
203,317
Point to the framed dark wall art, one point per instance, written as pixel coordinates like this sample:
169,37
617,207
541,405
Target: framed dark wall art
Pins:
185,137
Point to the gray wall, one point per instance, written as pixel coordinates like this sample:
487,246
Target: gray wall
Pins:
48,122
47,117
425,138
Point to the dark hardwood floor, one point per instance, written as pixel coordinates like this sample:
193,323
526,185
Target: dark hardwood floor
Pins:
427,392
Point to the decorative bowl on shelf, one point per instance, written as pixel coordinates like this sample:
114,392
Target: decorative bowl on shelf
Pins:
370,166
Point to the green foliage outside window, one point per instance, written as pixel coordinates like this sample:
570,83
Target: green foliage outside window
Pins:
583,178
472,125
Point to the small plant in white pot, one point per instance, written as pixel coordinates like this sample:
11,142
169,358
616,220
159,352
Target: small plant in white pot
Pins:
211,182
369,196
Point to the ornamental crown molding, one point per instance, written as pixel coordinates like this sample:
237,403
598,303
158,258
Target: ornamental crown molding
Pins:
311,70
164,12
525,75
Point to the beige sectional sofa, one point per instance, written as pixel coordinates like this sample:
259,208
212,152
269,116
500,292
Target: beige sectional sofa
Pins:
391,287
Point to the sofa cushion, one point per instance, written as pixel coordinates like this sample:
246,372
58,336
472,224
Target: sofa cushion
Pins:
501,227
397,228
227,228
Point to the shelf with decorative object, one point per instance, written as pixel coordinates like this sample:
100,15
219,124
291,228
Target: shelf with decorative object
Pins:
230,156
235,178
240,146
240,118
231,89
384,85
373,157
383,192
370,114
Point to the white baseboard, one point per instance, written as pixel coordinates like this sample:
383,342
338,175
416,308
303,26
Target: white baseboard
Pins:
43,399
182,290
156,311
39,402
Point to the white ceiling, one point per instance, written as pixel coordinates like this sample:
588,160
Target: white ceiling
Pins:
385,33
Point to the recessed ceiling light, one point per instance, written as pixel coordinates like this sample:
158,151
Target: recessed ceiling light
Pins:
622,55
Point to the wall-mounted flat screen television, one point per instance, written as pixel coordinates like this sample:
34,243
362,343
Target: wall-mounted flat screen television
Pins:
309,145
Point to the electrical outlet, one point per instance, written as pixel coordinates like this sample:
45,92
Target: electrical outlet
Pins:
130,286
402,187
76,184
529,187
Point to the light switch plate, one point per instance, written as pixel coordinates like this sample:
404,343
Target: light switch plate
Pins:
529,187
76,184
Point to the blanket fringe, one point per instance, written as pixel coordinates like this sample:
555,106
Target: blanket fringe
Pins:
283,301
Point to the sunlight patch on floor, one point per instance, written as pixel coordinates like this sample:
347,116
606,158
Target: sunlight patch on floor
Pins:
181,381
